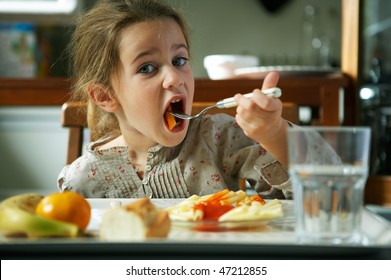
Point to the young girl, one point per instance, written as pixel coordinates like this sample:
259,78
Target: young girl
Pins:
131,63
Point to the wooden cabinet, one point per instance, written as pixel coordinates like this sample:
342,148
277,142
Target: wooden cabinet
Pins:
34,92
321,92
378,188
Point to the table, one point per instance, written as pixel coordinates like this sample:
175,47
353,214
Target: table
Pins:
276,240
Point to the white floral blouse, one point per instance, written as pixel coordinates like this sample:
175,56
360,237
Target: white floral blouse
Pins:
214,155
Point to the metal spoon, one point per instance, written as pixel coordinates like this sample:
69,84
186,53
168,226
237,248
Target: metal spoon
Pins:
228,103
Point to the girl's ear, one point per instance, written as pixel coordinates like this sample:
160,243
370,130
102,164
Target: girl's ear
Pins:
103,97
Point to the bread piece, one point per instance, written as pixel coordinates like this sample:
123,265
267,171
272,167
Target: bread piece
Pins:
136,221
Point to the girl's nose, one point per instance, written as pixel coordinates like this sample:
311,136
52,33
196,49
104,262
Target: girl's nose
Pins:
172,78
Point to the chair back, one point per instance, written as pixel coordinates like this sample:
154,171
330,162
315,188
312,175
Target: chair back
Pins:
74,117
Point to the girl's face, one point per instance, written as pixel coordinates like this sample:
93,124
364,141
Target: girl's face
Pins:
154,75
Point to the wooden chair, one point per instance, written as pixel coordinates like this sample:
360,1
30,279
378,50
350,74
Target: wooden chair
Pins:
74,116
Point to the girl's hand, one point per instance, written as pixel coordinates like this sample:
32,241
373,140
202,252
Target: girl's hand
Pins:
260,118
260,115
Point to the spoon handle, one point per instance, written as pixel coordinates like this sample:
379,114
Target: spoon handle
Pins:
230,102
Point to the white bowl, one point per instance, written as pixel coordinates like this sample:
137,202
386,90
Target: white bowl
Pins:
222,66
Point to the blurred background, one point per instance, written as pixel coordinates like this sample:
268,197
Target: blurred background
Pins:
278,32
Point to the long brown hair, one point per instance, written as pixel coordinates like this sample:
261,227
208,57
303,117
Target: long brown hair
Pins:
94,50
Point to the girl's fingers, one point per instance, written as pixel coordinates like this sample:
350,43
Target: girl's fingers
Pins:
271,80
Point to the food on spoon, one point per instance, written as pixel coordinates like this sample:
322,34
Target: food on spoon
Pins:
170,118
136,221
225,206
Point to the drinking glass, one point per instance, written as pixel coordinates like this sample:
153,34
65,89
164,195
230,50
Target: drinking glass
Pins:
328,167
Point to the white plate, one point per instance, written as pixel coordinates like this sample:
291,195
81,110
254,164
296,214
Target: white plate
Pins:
221,226
262,224
283,70
99,206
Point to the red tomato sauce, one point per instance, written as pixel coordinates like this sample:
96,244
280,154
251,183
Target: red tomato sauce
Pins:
212,212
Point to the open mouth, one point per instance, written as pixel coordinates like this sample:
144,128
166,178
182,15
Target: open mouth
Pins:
171,121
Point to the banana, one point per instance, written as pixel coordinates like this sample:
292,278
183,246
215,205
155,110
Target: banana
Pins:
18,218
26,201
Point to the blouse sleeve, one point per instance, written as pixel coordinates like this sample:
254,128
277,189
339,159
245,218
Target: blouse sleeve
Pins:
75,177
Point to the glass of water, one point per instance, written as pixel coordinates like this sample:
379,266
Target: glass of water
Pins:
329,168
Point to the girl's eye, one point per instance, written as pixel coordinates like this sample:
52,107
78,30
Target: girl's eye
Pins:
179,61
146,69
